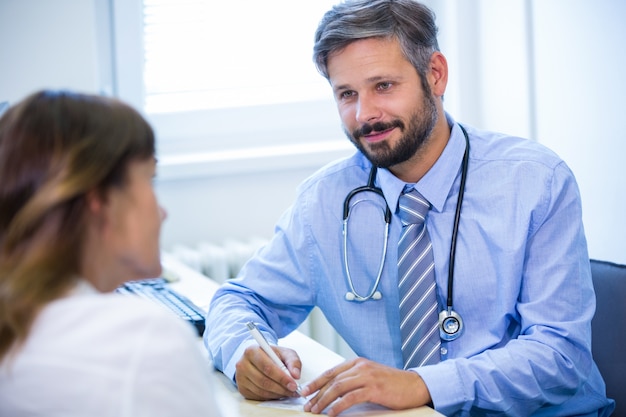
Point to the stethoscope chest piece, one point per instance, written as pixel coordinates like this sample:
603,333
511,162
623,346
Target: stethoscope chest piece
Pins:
450,325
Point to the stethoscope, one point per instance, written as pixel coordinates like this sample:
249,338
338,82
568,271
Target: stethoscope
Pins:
450,322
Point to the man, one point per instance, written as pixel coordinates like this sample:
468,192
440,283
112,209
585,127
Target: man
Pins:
515,335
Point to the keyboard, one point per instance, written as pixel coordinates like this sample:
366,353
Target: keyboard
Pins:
157,290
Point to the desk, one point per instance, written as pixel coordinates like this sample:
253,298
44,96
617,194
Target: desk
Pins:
315,357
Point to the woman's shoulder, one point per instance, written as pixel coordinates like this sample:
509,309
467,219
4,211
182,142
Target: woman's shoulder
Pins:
110,318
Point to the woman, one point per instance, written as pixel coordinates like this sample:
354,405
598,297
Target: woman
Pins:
78,218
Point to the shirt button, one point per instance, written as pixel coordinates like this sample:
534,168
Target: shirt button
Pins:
444,351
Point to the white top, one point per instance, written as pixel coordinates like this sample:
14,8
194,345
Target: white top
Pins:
94,354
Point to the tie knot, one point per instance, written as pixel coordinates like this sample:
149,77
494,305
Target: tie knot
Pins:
413,207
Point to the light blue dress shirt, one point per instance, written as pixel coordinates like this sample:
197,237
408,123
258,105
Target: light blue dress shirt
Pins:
522,280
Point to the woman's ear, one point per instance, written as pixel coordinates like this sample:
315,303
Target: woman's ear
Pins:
94,202
438,75
96,215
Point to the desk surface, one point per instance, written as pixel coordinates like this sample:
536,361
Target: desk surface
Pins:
315,357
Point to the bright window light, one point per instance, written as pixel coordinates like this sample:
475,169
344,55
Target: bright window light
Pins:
209,54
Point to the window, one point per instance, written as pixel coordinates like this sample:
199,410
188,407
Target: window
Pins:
227,83
203,54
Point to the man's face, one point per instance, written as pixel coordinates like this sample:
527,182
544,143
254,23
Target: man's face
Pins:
382,105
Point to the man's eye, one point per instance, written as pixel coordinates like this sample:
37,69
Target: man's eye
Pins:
346,94
384,86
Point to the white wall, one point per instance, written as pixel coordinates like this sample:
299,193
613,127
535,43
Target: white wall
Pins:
580,89
234,206
562,86
48,44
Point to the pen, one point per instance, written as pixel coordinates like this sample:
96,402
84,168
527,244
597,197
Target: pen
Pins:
260,339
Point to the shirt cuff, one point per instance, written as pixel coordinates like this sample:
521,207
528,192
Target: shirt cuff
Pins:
444,385
231,367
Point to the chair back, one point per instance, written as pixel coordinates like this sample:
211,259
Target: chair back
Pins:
608,326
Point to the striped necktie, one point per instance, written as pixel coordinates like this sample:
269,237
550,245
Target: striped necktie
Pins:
416,284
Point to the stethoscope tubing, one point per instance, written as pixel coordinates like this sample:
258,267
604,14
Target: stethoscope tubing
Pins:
352,295
370,187
374,293
457,219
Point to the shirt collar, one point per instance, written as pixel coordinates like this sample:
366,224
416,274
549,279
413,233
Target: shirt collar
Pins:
435,186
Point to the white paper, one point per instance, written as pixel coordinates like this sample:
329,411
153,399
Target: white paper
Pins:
297,404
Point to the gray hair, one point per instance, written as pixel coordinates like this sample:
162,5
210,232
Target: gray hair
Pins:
410,22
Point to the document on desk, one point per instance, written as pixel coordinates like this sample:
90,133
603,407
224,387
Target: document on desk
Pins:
315,357
297,404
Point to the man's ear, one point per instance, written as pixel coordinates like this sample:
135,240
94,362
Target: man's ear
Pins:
438,74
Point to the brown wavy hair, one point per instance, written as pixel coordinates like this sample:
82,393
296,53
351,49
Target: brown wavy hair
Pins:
55,147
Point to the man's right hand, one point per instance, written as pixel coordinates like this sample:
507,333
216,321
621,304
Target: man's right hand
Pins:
259,378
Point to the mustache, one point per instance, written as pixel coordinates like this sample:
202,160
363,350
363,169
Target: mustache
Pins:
368,128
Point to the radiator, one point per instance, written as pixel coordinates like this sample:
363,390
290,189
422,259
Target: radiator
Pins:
218,261
222,261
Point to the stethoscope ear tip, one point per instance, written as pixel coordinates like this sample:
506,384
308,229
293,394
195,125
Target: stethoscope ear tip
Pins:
349,296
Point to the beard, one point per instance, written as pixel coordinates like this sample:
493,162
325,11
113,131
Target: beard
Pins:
420,127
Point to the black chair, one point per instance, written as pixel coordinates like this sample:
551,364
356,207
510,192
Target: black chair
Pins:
609,329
